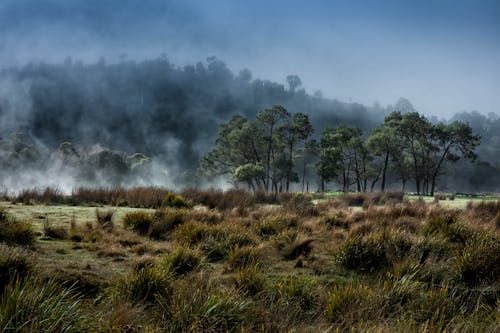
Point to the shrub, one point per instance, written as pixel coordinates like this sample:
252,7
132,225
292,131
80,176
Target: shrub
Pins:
138,221
173,200
13,232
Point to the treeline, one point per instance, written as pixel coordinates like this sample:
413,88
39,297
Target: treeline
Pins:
275,150
171,114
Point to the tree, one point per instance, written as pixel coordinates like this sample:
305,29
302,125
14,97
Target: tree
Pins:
270,120
328,165
238,143
294,82
453,141
293,132
251,173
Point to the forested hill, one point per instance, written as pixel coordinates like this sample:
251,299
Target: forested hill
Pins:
167,112
154,107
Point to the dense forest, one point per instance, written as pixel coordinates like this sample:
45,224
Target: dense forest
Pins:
102,114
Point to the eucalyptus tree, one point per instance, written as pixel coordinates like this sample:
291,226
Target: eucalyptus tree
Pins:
291,134
453,141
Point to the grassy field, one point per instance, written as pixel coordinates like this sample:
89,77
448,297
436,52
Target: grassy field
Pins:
213,261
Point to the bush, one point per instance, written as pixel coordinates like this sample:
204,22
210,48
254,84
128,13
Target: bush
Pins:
173,200
13,232
138,221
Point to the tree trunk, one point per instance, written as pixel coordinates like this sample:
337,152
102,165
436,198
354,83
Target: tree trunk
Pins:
384,172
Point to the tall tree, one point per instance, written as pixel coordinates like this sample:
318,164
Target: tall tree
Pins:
453,141
292,133
270,120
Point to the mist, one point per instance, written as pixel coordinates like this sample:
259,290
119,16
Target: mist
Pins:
159,77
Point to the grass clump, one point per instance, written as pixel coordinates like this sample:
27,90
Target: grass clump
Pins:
478,262
173,200
13,263
54,232
244,256
181,261
165,220
14,232
293,244
250,279
365,254
301,205
144,284
204,307
31,305
345,301
105,219
138,221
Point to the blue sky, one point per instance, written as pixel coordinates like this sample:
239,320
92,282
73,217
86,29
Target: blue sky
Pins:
443,55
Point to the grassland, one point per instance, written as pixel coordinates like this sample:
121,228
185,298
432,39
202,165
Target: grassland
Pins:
111,260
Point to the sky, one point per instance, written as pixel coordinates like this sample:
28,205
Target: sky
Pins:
443,55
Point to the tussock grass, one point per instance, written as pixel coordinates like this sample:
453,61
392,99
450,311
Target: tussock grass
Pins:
14,232
230,264
31,305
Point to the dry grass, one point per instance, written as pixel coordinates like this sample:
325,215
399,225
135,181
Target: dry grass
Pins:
231,264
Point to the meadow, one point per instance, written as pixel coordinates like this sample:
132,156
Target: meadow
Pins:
151,260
